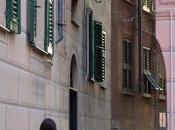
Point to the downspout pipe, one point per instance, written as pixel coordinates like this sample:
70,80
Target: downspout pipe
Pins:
140,45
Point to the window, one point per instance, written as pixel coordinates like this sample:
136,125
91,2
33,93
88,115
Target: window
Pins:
96,46
49,26
127,65
147,5
32,20
150,81
13,15
162,120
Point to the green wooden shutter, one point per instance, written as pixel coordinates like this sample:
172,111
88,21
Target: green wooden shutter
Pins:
150,4
91,46
103,54
98,51
97,40
49,26
13,15
32,20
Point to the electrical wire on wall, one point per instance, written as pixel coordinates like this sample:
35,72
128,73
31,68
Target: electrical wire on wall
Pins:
120,14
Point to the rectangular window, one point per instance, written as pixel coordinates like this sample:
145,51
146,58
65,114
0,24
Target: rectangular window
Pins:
32,5
49,26
147,5
127,65
162,120
13,15
96,46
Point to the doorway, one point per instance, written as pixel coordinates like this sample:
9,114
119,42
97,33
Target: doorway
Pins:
73,110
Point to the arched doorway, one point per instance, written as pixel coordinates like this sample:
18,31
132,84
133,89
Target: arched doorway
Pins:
73,95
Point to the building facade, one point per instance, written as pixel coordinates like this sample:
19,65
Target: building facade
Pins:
165,23
138,68
48,71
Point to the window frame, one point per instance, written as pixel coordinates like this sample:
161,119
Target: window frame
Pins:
127,65
96,51
147,68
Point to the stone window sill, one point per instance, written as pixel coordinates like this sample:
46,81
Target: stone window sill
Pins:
129,2
146,95
4,28
162,97
127,92
43,53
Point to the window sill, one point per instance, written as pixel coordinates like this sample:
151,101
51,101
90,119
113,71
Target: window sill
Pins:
147,12
162,97
102,85
41,51
146,95
129,2
4,28
127,92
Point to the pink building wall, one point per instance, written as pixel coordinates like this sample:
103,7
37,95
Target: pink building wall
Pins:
165,33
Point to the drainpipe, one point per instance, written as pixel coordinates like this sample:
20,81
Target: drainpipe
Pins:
140,44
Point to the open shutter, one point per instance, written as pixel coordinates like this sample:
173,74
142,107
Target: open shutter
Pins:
96,45
49,26
98,51
32,20
13,15
103,54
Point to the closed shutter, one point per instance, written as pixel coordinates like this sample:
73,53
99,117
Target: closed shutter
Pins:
147,59
13,16
127,65
98,51
32,20
91,46
49,26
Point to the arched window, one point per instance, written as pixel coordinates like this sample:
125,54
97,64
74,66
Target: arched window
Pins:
48,124
73,73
